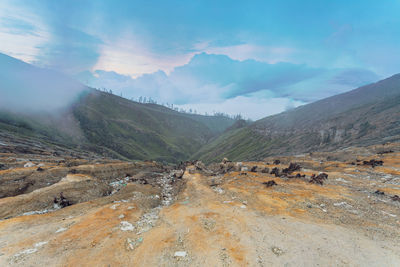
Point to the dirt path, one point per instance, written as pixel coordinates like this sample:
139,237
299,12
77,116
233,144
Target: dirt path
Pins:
234,222
214,233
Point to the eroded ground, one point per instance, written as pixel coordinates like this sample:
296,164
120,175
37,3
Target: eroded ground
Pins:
145,214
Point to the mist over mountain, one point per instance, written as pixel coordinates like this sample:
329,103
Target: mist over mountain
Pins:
25,88
58,110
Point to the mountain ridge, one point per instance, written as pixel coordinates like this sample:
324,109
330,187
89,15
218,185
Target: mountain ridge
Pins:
364,116
113,126
88,119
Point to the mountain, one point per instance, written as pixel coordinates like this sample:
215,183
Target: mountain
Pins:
143,131
52,108
44,106
364,116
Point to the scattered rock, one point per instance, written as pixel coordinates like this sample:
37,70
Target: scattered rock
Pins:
223,167
373,163
180,254
114,207
200,166
270,183
276,172
253,169
29,165
292,168
219,190
342,204
319,179
40,169
132,244
277,162
385,152
277,251
62,202
379,192
147,221
395,198
225,160
179,173
73,171
209,224
126,226
21,254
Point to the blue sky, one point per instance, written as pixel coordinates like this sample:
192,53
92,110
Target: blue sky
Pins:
251,57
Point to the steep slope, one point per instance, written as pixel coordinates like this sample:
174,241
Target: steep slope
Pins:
113,126
138,131
217,124
367,115
44,106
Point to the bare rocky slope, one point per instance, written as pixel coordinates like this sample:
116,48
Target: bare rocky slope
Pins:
329,208
365,116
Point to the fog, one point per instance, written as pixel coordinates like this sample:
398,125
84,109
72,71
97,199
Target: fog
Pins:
28,89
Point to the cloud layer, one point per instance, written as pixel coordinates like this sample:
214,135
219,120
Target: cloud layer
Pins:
219,83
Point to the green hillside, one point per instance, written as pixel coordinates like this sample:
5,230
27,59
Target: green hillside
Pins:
139,131
365,116
117,127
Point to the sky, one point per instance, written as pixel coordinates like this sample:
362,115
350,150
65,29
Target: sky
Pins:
254,58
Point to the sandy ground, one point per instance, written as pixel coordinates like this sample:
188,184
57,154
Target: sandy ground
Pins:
227,220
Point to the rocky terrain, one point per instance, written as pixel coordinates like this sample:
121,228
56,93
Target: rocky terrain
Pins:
63,208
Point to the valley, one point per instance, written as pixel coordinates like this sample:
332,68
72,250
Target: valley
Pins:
199,133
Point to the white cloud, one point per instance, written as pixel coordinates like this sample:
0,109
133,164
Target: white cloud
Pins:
129,55
24,45
216,83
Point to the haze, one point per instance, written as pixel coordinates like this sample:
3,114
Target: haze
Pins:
254,58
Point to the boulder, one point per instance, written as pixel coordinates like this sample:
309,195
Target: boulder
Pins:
29,165
178,174
319,179
292,168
